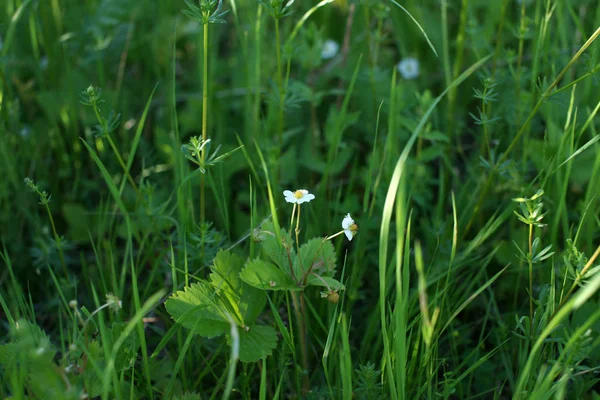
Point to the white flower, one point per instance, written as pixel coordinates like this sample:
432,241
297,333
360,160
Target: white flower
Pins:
299,196
349,226
330,49
408,68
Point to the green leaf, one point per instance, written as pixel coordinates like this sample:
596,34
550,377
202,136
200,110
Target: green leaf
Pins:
188,396
256,343
334,284
128,353
7,353
198,308
277,252
436,136
320,255
266,276
245,301
79,220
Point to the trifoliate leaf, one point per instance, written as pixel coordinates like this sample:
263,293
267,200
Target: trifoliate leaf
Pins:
318,254
256,342
334,284
198,308
245,301
266,276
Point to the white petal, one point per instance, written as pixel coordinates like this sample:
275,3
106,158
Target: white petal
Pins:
291,200
349,234
303,191
306,198
347,221
288,193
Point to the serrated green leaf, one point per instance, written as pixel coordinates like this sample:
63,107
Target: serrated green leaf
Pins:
319,254
325,281
276,251
264,275
198,308
244,301
256,343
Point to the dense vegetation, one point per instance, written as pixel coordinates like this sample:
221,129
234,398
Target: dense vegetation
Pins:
446,245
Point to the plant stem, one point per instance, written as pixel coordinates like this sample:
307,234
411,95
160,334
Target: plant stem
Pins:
543,97
114,148
530,262
122,163
297,242
300,314
204,119
280,85
58,241
587,266
293,214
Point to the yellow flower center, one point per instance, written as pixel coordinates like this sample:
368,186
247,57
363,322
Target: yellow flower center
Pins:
353,228
298,194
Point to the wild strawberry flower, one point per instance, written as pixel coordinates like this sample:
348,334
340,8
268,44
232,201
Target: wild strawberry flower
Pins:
298,197
349,226
408,68
330,49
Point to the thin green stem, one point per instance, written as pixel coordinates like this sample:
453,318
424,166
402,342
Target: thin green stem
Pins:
300,314
279,84
293,214
530,262
520,60
297,241
122,163
547,93
577,281
103,123
58,241
204,120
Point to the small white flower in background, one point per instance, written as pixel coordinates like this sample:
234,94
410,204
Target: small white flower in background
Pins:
330,49
298,197
349,226
408,68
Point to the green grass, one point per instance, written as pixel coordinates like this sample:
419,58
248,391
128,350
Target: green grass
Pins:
475,272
